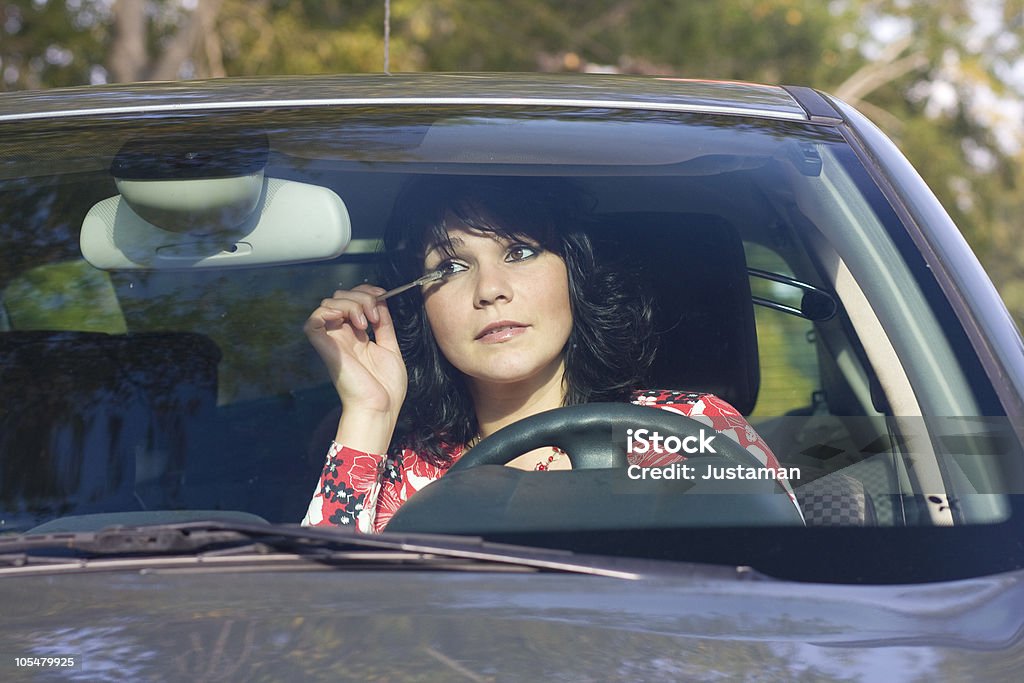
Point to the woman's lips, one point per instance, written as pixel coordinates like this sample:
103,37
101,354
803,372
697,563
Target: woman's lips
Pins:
499,332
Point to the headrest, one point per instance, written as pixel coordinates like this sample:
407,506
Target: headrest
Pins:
695,267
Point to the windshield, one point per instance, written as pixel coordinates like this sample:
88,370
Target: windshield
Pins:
174,289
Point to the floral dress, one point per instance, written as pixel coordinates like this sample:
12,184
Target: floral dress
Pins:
363,490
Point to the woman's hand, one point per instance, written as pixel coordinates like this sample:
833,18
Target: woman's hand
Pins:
368,374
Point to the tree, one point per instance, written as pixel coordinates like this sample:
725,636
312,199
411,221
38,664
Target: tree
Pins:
192,40
939,78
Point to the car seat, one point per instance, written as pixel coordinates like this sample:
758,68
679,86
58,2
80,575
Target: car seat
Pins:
93,422
696,269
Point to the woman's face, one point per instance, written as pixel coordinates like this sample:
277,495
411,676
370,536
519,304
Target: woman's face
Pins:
502,315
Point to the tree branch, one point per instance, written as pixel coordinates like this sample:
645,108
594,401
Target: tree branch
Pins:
884,70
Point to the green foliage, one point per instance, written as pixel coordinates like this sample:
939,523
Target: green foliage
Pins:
64,296
274,37
788,359
763,40
787,368
47,44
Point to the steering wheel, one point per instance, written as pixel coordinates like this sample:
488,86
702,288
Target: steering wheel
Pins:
594,436
483,500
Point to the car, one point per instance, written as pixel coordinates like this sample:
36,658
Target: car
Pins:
164,419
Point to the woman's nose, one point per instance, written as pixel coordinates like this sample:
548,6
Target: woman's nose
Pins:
492,285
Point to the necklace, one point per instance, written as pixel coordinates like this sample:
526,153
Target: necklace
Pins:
556,453
542,466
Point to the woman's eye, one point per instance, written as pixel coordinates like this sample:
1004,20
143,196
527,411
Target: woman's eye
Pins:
450,267
521,252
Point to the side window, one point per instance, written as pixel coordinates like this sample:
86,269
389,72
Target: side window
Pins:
786,348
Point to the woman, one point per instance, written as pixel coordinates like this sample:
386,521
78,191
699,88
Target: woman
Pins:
525,319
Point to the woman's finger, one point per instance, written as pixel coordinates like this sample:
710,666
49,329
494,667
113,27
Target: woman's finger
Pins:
384,329
370,306
364,296
343,309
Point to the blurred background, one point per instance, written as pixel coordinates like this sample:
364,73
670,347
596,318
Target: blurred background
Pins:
944,78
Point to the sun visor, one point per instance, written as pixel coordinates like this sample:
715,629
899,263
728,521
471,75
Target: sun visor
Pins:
206,203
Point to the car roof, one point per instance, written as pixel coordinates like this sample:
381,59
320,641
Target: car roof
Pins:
574,90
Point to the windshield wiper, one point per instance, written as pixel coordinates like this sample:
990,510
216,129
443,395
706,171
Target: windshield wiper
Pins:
206,541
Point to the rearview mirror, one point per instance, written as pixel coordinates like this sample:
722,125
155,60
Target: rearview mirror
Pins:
203,202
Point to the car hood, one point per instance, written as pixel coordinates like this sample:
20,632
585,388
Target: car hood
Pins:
434,625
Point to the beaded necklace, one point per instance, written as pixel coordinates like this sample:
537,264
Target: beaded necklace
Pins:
542,466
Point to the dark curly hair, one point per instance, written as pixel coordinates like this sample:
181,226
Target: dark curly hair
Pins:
610,347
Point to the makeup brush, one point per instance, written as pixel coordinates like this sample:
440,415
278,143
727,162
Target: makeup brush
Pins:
432,276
